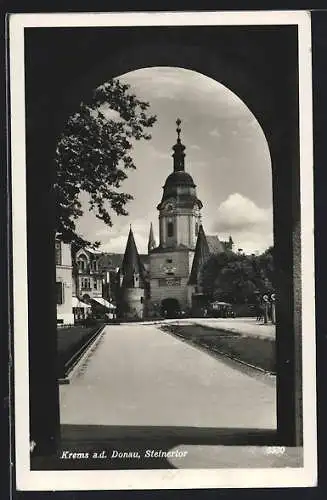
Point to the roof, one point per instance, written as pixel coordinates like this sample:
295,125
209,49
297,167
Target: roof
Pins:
76,302
180,248
93,250
201,254
215,245
113,260
151,242
103,302
179,178
132,263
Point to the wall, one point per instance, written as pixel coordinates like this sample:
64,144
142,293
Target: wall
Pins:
133,303
89,273
181,266
184,227
64,276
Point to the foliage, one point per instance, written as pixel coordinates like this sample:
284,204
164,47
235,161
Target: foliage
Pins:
237,277
94,154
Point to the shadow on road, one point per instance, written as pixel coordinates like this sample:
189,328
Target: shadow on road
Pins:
87,440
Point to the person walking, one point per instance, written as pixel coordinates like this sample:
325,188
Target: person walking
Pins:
265,303
273,308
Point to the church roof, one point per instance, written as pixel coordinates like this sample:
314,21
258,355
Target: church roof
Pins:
205,246
132,263
172,248
179,178
201,254
110,261
215,245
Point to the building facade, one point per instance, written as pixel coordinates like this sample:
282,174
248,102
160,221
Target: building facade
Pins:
64,283
88,276
171,283
163,283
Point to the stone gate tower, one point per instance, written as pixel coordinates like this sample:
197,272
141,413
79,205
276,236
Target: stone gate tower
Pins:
179,222
132,282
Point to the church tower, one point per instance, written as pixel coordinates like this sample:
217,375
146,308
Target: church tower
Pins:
179,209
179,223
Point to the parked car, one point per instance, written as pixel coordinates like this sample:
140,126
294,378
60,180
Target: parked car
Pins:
221,310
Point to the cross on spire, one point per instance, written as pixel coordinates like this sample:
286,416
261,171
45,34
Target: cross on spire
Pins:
178,130
179,148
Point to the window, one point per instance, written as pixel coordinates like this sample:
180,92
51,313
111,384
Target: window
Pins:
95,284
169,261
81,265
85,283
60,292
170,229
196,229
58,253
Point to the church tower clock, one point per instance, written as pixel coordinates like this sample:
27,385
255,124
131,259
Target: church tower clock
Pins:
179,209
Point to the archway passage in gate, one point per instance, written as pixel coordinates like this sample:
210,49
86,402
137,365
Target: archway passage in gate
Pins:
260,65
170,308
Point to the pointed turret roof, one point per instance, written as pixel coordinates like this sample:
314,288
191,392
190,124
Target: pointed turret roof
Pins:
152,242
131,264
201,254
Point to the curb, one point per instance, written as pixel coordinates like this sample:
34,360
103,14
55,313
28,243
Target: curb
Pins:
83,358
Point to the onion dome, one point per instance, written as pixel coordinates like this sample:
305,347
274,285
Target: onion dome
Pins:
179,184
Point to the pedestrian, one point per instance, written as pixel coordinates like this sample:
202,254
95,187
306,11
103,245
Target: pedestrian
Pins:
265,303
273,308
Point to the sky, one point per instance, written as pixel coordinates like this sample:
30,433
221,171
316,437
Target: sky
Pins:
226,154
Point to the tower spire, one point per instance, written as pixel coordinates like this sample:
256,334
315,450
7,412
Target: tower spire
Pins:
151,242
131,264
200,256
179,148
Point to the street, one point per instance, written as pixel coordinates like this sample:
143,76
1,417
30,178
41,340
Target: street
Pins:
138,375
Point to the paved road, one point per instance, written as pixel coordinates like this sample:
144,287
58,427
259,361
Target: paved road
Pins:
138,376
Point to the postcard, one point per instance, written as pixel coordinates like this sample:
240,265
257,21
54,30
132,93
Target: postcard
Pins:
162,250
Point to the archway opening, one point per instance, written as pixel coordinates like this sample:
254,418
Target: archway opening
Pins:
170,308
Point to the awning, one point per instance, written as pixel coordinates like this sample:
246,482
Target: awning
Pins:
104,302
78,303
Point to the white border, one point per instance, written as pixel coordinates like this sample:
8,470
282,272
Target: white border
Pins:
159,479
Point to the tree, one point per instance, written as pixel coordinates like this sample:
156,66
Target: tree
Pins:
237,277
94,154
211,270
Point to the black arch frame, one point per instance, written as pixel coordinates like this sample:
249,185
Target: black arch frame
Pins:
246,60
